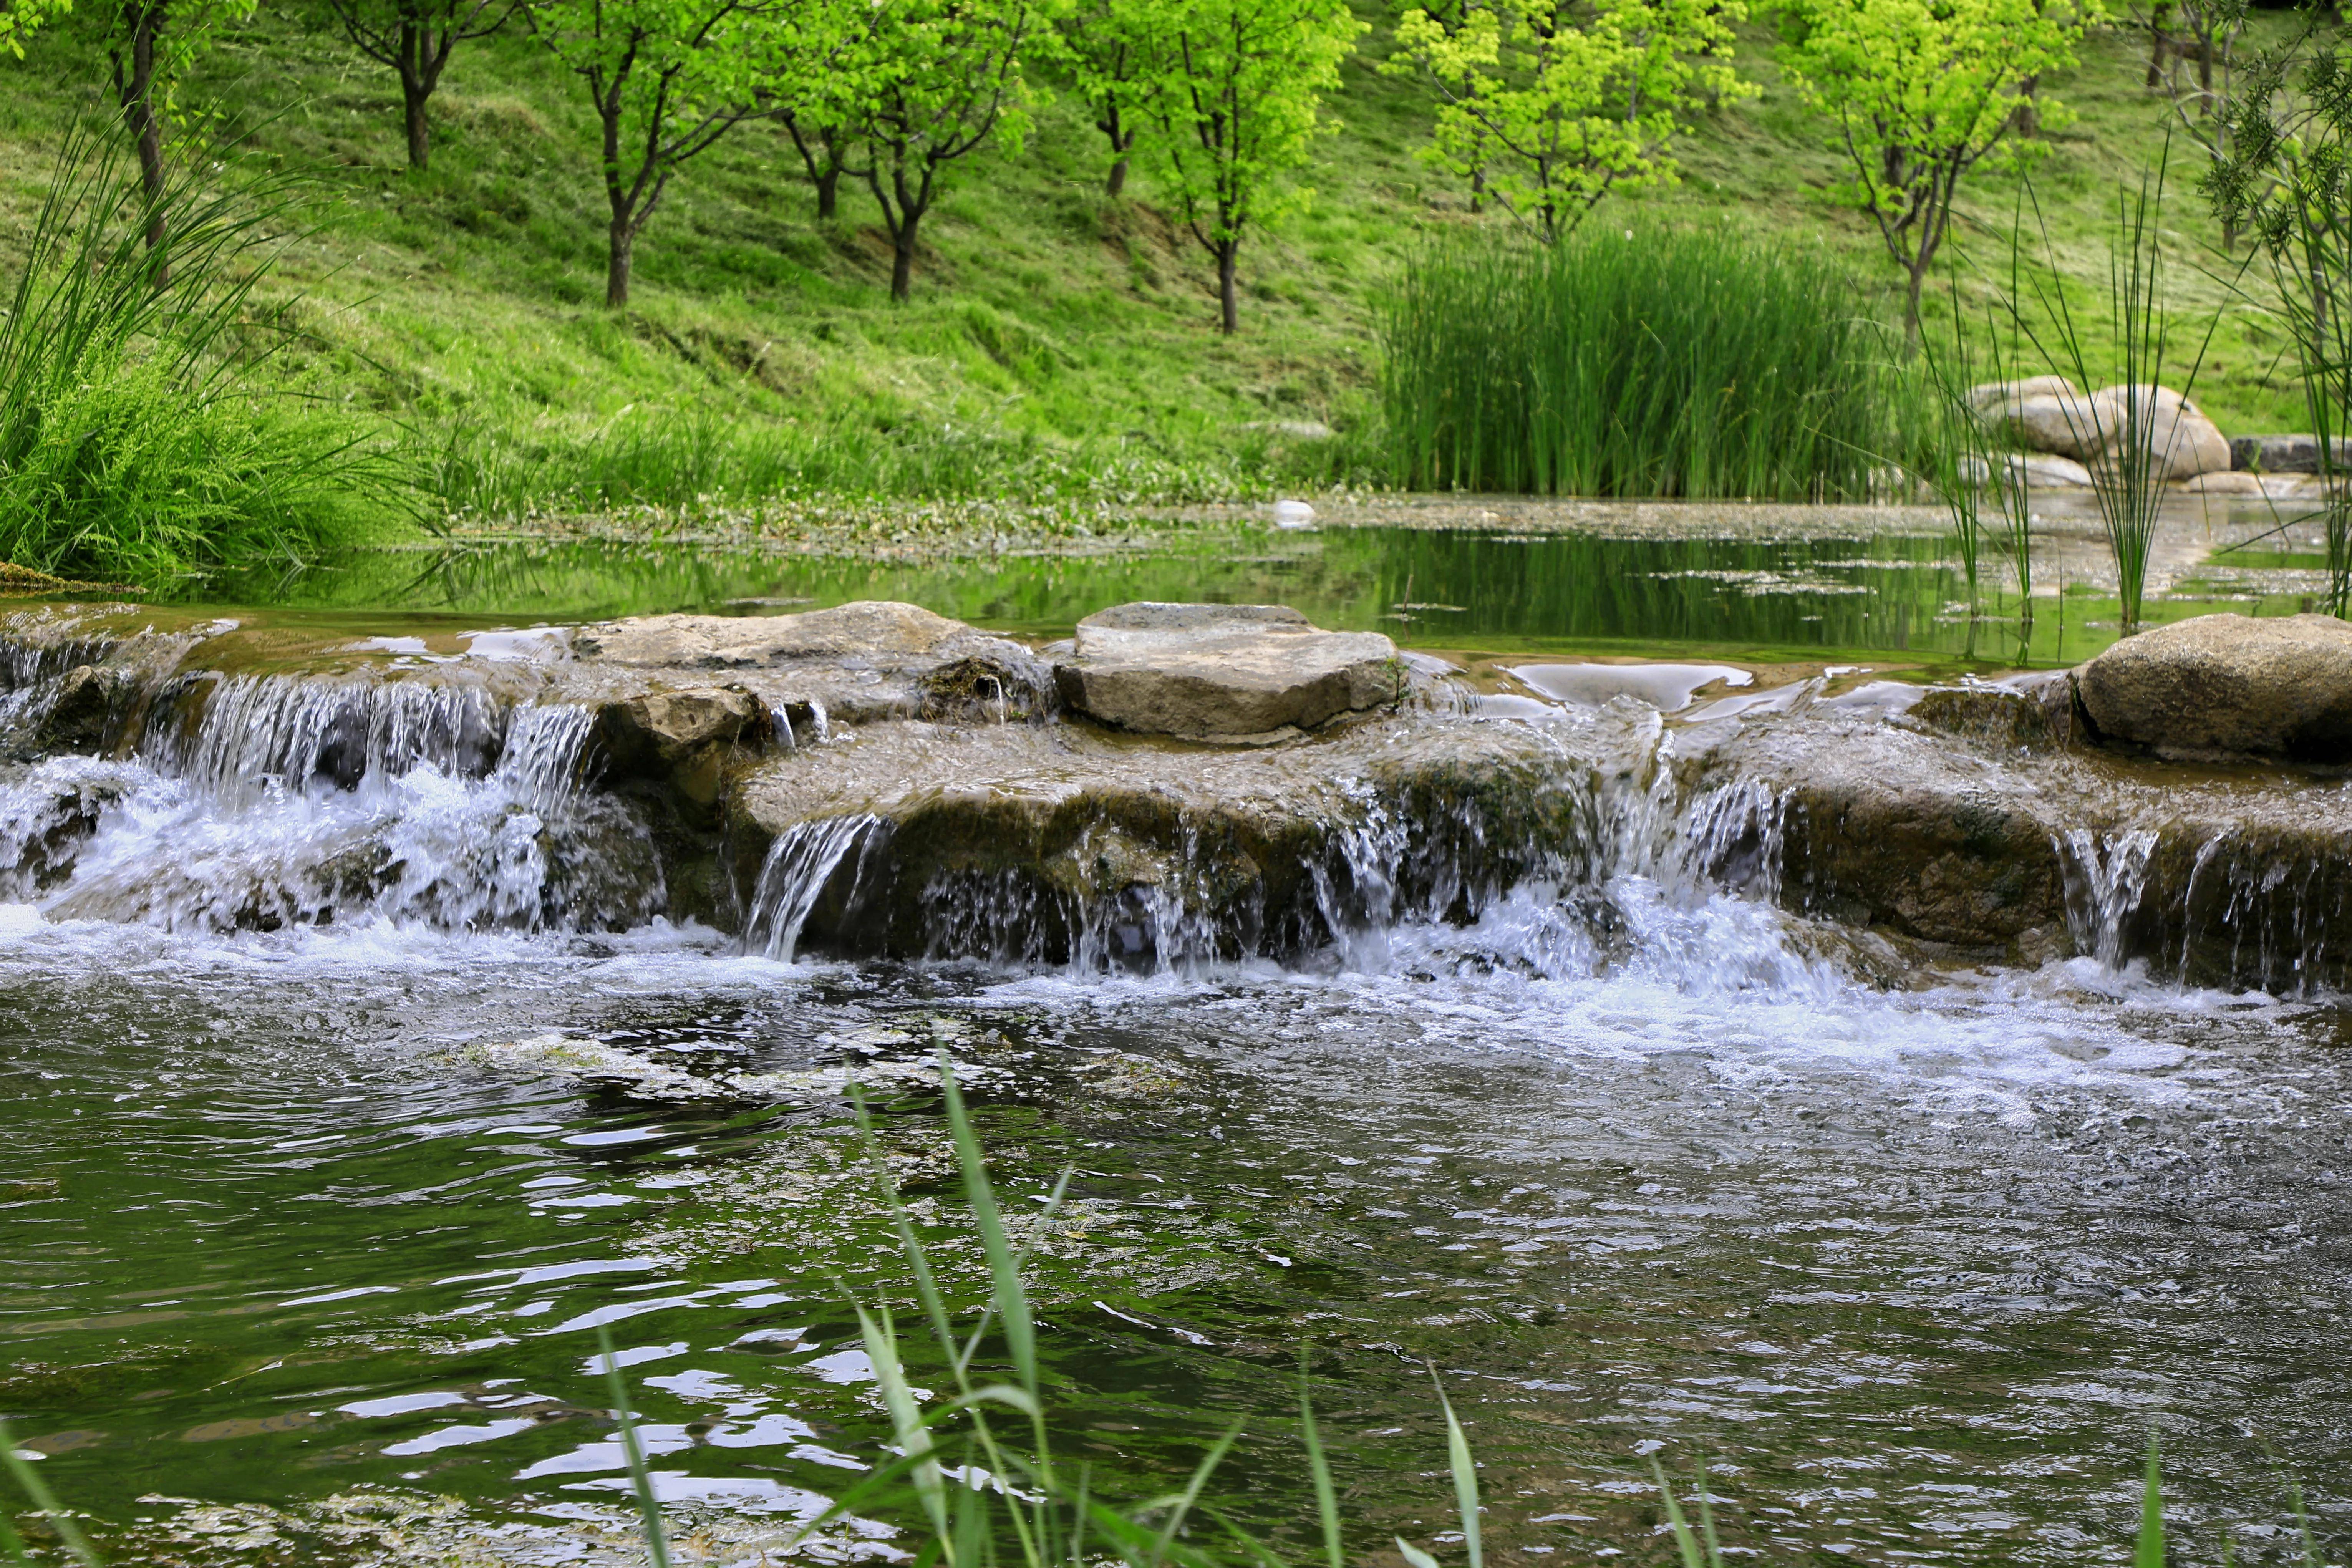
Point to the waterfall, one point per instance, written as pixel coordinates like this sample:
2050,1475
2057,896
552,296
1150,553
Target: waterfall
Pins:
799,865
2107,874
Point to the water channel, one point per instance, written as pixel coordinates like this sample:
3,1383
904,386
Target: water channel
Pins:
306,1261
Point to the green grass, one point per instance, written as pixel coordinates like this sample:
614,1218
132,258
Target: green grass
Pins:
138,440
1055,334
1646,362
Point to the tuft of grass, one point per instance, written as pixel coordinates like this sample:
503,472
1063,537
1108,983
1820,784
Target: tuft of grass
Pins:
1642,362
2132,441
135,440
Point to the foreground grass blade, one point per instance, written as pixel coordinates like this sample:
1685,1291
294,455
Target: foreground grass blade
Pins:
1182,1505
1326,1501
1466,1476
914,1439
1685,1542
45,1503
657,1542
2149,1554
1004,1270
1414,1555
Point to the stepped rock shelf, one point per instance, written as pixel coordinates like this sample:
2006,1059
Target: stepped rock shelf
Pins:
1178,784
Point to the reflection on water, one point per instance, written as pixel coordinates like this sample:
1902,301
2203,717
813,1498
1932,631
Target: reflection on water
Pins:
1432,588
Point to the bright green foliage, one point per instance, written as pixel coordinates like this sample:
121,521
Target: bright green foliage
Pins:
2283,166
149,45
1236,88
668,79
1551,104
920,84
1923,92
136,444
1665,363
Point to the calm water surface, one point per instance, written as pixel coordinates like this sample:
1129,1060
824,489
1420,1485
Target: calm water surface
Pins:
1431,588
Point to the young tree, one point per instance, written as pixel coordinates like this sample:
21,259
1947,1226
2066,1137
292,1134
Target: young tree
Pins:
669,80
1549,105
1238,88
918,85
825,156
414,38
1104,40
147,43
1925,91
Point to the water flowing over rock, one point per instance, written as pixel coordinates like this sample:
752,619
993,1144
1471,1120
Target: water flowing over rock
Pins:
1223,671
877,782
2218,687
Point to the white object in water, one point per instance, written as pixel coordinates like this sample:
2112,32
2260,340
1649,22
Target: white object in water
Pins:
1293,514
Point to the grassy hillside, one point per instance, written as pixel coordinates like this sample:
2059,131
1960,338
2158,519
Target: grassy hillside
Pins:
1058,339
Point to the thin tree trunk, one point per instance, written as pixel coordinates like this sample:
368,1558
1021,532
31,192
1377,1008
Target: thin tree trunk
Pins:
413,94
2157,17
621,241
1229,313
1116,183
902,256
1911,302
134,90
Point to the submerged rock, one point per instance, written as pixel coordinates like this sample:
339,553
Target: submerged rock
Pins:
1223,671
2227,685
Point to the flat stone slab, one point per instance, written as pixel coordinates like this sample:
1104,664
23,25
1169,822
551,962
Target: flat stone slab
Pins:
2220,687
1223,671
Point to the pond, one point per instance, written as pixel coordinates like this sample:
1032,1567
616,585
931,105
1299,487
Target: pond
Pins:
1774,591
307,1255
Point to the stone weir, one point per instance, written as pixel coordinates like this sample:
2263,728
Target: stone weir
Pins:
1175,786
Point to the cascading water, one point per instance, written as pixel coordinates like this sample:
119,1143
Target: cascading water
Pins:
272,800
2107,875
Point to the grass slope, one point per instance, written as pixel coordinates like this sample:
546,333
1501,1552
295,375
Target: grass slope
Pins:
465,304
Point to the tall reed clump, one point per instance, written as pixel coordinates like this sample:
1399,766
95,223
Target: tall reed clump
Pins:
2130,430
138,441
1651,362
1979,480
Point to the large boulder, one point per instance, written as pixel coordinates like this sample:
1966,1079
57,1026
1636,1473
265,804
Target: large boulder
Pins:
2180,442
1992,397
2220,687
1223,671
859,662
2063,423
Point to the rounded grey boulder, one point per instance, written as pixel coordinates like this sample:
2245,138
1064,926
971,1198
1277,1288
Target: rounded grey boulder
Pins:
2220,687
